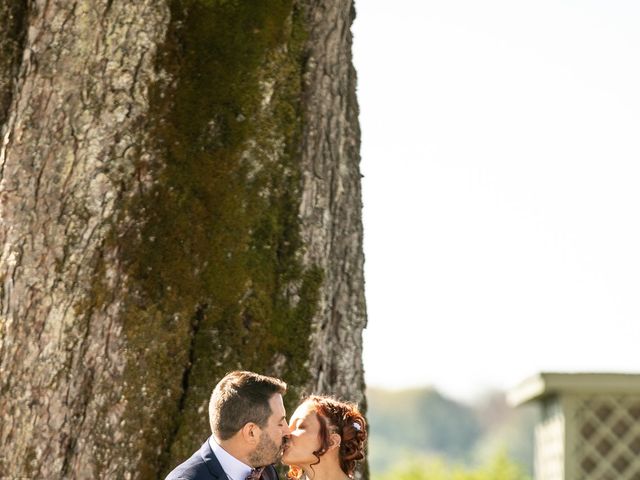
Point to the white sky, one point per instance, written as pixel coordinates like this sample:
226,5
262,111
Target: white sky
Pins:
501,155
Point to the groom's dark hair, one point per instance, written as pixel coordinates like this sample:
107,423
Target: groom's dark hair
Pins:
240,398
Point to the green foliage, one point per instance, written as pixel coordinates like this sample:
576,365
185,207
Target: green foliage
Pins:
506,429
498,468
421,422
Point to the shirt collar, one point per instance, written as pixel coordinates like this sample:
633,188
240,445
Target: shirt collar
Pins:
234,468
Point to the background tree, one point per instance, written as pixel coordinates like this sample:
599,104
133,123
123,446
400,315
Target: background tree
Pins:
423,423
179,197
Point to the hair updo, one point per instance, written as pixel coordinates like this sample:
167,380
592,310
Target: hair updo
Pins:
343,418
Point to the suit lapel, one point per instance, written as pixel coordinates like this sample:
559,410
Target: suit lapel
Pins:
212,462
270,473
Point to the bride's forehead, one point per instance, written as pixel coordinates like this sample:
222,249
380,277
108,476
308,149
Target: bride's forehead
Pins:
304,410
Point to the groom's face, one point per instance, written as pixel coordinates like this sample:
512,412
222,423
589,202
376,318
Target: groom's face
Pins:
270,445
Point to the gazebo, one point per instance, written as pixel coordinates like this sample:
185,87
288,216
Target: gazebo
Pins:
589,427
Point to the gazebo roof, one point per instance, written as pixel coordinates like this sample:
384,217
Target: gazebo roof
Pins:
547,384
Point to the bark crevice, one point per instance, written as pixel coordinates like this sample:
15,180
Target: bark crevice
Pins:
197,320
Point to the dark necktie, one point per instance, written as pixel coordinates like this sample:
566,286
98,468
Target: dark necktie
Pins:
255,474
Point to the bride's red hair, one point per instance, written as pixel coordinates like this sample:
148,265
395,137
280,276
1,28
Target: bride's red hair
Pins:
344,419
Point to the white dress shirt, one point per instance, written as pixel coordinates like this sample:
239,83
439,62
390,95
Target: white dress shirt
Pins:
234,468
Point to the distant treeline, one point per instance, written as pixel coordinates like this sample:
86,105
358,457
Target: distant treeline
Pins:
407,424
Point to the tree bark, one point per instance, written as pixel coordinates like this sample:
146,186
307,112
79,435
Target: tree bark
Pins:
330,210
179,197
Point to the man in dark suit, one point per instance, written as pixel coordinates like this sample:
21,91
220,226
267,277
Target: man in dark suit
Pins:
249,426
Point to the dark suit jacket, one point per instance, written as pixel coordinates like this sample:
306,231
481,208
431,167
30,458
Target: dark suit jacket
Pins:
203,465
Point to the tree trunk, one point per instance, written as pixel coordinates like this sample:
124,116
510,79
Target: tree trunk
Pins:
179,197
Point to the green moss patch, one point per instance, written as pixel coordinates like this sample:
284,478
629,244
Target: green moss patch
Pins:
215,277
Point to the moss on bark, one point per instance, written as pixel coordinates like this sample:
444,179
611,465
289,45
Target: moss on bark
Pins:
215,280
13,14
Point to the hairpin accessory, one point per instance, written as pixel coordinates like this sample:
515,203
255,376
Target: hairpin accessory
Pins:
357,426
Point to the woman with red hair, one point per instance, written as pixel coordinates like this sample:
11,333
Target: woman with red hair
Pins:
328,438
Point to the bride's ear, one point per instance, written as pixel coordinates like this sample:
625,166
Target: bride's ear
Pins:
334,441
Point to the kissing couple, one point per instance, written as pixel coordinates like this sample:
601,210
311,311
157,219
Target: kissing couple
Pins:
323,440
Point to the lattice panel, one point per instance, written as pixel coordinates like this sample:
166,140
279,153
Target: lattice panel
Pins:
608,438
549,456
